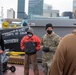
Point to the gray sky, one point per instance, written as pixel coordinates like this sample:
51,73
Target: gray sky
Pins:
61,5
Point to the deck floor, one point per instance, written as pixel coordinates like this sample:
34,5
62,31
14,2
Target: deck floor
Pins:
20,70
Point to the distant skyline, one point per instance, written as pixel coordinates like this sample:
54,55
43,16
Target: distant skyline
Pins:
61,5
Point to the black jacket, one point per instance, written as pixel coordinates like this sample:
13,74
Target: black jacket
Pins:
1,42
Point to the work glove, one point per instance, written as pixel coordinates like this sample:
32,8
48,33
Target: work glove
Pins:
45,49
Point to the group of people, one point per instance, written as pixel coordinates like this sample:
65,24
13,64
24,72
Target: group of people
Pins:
32,43
58,55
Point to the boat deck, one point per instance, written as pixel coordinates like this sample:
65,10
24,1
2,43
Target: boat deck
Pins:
20,70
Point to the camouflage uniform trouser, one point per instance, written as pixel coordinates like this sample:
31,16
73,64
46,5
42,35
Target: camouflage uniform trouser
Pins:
46,66
33,59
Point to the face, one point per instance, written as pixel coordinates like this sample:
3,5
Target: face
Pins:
49,30
29,34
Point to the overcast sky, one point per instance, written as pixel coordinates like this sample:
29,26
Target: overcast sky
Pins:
61,5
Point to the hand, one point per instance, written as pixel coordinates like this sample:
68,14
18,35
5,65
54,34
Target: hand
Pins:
45,49
1,51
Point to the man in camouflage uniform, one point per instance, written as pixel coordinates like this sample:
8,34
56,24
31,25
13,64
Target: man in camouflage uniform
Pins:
49,43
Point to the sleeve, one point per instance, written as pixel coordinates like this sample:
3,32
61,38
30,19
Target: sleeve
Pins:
41,44
22,43
58,62
2,43
37,44
56,40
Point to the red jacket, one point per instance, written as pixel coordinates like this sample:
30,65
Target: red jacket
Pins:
34,38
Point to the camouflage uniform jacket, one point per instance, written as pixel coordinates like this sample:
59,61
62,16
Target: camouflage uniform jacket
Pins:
51,42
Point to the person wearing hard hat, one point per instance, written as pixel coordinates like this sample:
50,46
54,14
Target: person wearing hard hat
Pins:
30,44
